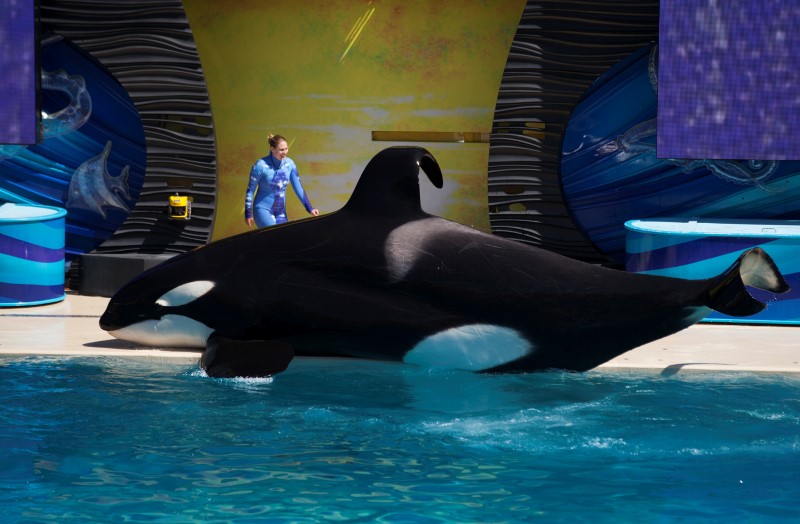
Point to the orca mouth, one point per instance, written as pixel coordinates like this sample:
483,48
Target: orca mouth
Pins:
105,325
110,319
118,316
124,312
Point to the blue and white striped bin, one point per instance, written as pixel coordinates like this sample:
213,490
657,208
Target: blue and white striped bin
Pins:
703,248
31,255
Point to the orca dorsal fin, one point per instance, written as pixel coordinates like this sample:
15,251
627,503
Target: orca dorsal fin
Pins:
390,182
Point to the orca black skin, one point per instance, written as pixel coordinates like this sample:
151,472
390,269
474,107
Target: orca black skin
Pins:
382,279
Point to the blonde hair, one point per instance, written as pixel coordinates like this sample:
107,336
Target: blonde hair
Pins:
274,140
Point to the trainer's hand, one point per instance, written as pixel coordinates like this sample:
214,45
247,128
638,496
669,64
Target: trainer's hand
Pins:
251,222
315,212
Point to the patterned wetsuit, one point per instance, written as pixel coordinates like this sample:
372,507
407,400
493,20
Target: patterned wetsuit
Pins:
271,177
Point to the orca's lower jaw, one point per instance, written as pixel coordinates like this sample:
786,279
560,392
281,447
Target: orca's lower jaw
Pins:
167,331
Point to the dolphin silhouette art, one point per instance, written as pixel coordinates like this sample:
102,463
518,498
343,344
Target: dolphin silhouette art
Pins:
382,279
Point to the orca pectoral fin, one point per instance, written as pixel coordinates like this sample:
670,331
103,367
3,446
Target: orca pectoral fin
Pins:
227,358
754,268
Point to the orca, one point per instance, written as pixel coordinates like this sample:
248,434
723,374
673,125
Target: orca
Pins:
382,279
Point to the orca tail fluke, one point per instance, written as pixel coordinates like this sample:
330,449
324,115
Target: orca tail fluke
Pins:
728,294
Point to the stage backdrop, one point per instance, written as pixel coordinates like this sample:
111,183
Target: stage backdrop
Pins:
342,80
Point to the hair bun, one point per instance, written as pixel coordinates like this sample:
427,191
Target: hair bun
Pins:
274,140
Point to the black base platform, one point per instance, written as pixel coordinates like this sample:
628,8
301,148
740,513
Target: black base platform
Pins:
102,274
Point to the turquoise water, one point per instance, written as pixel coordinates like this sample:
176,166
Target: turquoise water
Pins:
121,440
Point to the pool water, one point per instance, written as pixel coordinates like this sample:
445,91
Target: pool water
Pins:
124,440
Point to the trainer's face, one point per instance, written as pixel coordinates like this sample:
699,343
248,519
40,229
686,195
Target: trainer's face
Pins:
281,150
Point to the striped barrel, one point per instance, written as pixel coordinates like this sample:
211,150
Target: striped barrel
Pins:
704,248
31,255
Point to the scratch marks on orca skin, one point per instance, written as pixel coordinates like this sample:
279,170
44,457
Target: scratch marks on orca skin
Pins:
409,243
404,247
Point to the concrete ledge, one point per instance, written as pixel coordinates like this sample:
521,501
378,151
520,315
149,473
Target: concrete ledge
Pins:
721,347
71,328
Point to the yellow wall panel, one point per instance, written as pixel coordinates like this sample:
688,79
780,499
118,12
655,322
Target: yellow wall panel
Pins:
328,74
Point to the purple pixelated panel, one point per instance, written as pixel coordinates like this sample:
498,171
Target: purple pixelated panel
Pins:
729,79
18,117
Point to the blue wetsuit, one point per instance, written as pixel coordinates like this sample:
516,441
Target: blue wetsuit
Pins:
270,177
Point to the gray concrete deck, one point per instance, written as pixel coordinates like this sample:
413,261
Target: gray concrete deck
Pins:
70,327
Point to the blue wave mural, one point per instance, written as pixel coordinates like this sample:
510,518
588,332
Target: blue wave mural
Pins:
610,171
92,157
